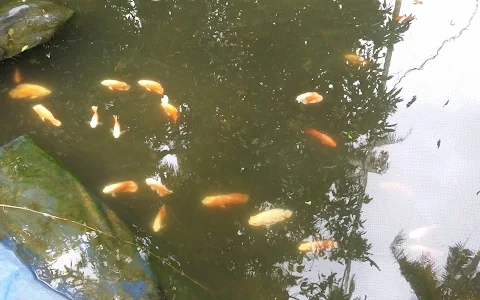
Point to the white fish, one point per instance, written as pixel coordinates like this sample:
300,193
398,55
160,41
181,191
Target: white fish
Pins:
419,232
270,217
94,121
116,127
46,114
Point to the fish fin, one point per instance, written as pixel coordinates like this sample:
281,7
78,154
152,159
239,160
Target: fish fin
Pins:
33,97
43,119
223,206
113,195
110,88
148,89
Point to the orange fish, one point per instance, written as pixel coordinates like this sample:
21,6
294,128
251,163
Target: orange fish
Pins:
356,60
17,77
94,121
224,200
169,109
309,98
116,127
404,18
30,91
317,245
158,187
46,114
151,86
158,222
115,85
323,138
121,187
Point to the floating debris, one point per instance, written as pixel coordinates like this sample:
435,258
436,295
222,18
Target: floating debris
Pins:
414,98
438,143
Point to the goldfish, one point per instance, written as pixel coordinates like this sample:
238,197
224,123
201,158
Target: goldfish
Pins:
356,60
224,200
158,222
30,91
17,77
317,245
116,127
46,114
322,137
309,98
121,187
169,109
270,217
94,121
151,86
158,187
115,85
419,232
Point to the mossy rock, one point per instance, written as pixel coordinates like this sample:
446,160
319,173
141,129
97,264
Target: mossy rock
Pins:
78,262
29,23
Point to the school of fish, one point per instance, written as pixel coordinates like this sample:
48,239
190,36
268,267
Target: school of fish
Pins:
267,218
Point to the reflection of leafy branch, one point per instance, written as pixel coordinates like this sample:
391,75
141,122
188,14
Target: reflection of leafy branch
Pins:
111,236
460,279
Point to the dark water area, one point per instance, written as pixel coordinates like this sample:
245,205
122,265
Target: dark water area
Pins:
234,70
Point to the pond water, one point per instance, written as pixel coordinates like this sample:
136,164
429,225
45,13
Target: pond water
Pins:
234,70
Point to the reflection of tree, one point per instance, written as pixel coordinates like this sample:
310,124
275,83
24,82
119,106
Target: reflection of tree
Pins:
459,280
242,131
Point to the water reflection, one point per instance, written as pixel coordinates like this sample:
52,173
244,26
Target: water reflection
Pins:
237,69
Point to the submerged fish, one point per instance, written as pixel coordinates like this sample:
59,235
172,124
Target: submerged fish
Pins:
29,91
116,127
151,86
322,137
46,114
169,109
419,232
225,200
94,121
158,187
121,187
309,98
17,77
317,245
356,60
115,85
270,217
158,222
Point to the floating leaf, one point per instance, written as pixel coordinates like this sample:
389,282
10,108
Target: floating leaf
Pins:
24,48
10,32
350,137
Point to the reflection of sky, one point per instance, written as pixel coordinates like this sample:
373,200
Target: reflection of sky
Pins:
426,185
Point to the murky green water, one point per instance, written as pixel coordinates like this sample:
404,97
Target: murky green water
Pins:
234,70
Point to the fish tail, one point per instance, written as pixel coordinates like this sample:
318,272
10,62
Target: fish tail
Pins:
115,117
94,108
56,122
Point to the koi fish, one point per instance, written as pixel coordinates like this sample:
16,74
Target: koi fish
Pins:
356,60
419,232
270,217
225,200
46,114
317,245
158,187
116,127
121,187
322,137
94,121
115,85
158,222
309,98
17,77
151,86
169,109
29,91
